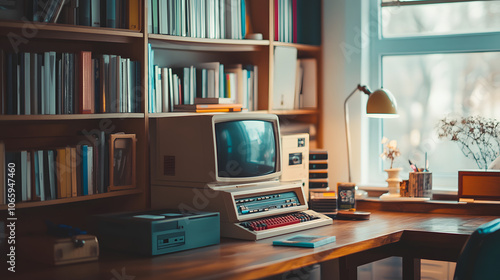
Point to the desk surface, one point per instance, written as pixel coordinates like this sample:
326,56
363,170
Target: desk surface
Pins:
249,259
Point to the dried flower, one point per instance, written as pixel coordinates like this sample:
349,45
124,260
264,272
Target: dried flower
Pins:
391,150
478,137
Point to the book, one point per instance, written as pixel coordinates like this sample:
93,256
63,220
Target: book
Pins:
236,93
40,189
73,162
208,108
95,13
285,62
165,90
308,241
46,176
85,166
111,13
85,90
84,13
134,14
51,174
309,83
298,86
61,172
309,22
90,170
213,100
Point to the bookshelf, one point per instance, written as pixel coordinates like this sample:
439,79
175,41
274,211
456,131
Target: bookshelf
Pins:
45,131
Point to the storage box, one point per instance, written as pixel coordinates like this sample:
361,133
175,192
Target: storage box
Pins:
58,251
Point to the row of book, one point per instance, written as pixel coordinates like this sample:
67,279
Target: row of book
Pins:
295,80
68,83
39,175
297,21
171,87
215,19
96,13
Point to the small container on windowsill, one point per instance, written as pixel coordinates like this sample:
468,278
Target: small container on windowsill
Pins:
418,185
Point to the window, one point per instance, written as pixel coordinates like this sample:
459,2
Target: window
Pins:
438,58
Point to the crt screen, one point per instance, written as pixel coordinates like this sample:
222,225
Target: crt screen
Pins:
245,148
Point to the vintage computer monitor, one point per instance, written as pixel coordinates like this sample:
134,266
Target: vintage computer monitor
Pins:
231,164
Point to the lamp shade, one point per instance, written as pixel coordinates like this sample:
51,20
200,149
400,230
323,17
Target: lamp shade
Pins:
382,104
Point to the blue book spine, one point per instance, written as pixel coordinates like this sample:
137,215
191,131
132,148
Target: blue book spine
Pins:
85,170
138,88
111,13
84,13
243,19
151,79
222,81
309,22
37,174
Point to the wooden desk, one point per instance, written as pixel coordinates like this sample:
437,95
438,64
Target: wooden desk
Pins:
411,235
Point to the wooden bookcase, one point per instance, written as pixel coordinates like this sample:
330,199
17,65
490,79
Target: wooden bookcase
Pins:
38,131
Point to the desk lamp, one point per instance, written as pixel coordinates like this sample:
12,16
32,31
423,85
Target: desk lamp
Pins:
381,104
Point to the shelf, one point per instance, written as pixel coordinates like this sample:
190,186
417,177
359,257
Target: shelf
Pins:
180,114
300,47
204,44
39,30
295,112
71,117
277,112
21,205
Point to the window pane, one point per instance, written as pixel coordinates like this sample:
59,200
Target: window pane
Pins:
441,19
429,88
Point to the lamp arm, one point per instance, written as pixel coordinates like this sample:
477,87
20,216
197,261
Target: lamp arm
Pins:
367,91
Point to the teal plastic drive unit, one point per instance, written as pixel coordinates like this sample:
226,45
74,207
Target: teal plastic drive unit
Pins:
158,232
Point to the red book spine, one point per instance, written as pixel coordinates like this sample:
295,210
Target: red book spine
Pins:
86,96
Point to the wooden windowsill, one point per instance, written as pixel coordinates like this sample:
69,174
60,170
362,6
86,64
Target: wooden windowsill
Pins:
431,206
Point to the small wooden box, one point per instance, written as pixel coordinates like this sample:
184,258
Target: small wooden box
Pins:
479,185
59,251
122,157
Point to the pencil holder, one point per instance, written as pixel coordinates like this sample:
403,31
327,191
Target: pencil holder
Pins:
420,184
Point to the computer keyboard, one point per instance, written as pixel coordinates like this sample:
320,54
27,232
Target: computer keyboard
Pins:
278,221
274,225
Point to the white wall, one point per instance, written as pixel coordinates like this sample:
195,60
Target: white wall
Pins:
342,72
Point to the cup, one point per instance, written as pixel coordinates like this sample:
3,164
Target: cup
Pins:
420,184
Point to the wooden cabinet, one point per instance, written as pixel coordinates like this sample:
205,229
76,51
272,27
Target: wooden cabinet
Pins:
44,131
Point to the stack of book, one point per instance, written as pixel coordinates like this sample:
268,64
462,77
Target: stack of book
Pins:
95,13
323,201
68,83
59,172
173,89
297,21
215,19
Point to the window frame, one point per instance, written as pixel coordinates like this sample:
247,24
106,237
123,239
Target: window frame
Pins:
411,45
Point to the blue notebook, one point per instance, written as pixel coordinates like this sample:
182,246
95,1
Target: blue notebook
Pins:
309,241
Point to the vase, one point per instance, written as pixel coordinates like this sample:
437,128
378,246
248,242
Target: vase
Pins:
393,181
